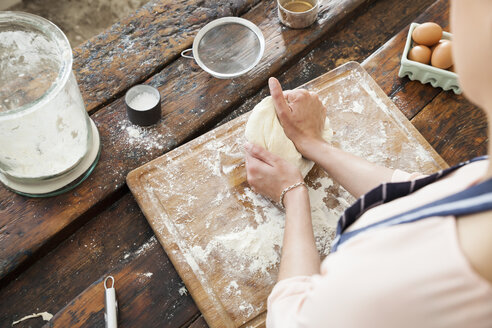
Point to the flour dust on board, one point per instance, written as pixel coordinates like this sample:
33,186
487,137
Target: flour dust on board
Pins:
224,239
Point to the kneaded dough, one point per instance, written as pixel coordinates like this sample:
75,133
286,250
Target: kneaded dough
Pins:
264,129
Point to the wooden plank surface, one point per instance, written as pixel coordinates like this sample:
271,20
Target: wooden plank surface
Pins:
39,290
350,43
117,242
137,289
224,244
455,127
409,96
141,44
191,100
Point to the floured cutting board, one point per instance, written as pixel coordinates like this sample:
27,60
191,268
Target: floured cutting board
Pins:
223,239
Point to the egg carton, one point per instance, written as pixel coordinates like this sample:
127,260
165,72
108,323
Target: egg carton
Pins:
424,73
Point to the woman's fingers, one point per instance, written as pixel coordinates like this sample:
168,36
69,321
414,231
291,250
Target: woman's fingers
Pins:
260,153
288,94
297,96
253,163
256,170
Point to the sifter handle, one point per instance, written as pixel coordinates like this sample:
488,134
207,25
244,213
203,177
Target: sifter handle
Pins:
111,313
183,53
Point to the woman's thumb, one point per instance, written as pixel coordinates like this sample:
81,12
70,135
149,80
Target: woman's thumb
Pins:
281,106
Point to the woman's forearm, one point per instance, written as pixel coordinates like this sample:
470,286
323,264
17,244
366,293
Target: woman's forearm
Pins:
299,253
355,174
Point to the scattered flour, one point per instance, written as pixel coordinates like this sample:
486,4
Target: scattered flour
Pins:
183,291
233,288
147,138
359,111
46,316
144,277
142,249
258,246
150,243
229,168
220,197
246,308
250,248
357,107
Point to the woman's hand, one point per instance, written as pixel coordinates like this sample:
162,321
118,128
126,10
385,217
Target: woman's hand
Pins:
301,113
267,173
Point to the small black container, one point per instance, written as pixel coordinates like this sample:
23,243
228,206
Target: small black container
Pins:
143,105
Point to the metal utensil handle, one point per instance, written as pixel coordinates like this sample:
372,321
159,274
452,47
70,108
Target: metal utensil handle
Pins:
111,313
183,53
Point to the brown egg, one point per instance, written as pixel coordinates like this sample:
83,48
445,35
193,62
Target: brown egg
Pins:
427,34
440,41
420,53
441,56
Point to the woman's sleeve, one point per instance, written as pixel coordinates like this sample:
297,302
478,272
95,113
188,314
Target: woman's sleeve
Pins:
286,301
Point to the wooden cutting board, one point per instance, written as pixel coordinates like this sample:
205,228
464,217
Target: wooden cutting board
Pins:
223,239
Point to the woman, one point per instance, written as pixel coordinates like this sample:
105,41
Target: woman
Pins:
422,259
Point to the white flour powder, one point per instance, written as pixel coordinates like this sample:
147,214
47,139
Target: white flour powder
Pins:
257,247
47,141
143,101
245,249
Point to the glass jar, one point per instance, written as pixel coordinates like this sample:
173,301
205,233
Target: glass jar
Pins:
46,135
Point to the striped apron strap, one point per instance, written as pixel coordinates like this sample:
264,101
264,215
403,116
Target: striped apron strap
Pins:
387,192
472,200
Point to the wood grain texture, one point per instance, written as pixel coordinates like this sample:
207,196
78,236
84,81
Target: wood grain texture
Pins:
456,128
43,284
384,64
228,285
114,240
191,101
141,44
50,289
351,42
146,298
199,323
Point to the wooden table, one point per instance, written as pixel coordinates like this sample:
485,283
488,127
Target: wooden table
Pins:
55,252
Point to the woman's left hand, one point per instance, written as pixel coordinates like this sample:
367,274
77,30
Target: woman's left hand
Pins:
267,173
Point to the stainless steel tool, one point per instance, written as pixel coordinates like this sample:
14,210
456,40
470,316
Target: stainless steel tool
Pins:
111,310
227,47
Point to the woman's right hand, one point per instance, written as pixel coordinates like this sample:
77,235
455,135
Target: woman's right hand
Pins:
302,115
267,173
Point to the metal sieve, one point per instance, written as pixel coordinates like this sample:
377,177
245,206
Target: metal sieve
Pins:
227,47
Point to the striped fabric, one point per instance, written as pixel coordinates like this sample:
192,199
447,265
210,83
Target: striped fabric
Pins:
472,200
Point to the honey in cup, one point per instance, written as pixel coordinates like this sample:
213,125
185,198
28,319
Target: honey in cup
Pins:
297,13
298,6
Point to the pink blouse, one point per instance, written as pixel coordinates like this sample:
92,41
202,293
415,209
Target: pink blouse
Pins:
408,275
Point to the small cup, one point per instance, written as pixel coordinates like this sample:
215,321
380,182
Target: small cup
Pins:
298,13
143,105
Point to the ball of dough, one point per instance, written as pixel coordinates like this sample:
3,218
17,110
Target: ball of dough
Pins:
264,129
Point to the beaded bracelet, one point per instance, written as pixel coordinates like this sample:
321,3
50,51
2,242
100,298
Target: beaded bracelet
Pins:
295,185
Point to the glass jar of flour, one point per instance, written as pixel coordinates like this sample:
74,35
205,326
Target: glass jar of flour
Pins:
48,143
